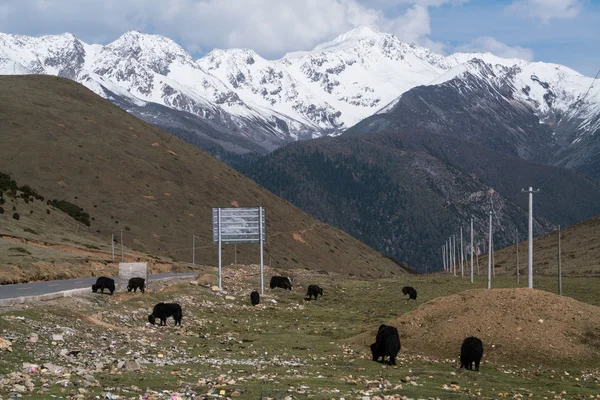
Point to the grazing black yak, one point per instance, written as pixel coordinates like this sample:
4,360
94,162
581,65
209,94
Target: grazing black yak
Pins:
410,291
387,343
254,297
164,311
102,283
135,283
471,352
314,290
281,282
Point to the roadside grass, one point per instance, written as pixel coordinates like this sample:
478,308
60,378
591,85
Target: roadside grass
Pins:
288,347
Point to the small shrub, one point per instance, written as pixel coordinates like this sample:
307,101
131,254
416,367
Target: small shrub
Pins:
16,216
20,250
72,210
1,210
127,228
31,231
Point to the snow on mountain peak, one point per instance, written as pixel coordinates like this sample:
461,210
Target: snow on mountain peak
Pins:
216,57
360,32
134,43
303,94
351,38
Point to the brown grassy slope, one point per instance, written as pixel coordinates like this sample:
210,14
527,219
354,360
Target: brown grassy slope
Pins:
67,143
47,246
580,252
517,326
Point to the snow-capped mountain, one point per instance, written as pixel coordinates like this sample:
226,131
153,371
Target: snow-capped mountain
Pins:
302,95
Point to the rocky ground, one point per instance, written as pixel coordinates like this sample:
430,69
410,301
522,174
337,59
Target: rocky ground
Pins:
102,347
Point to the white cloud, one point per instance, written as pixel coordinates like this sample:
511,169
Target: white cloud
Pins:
270,27
489,44
546,10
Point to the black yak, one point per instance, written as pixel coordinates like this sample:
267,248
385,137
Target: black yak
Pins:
102,283
471,352
164,311
283,282
135,284
410,291
254,297
387,344
314,290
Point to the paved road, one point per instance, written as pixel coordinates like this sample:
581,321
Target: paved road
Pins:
47,287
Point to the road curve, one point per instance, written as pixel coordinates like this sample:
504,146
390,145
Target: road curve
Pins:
45,289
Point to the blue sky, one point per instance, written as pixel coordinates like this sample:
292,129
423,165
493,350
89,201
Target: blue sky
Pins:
560,31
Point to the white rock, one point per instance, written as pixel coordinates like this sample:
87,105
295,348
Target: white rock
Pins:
4,344
132,365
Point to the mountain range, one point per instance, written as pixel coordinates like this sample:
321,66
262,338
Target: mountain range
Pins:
235,102
409,144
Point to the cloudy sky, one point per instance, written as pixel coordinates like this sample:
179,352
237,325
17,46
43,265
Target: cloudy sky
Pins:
560,31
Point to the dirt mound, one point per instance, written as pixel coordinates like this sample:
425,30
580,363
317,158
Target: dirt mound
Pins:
515,325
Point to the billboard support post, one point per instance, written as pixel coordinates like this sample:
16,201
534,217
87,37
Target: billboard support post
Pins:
219,229
262,275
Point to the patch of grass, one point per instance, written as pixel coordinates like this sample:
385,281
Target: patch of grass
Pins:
32,231
20,250
292,347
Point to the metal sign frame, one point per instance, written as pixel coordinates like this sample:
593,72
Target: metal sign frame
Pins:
240,225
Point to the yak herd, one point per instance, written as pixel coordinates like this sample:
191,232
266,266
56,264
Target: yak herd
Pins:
387,341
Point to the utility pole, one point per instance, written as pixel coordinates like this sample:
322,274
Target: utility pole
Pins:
472,250
454,252
193,249
444,257
517,245
559,271
493,260
462,268
112,245
490,255
121,245
448,255
530,240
